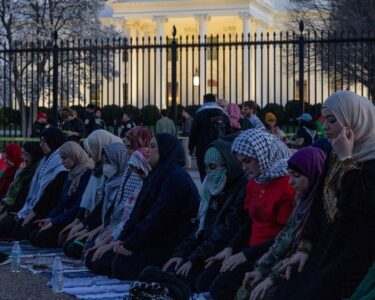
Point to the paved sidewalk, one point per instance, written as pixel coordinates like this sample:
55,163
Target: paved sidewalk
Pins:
25,286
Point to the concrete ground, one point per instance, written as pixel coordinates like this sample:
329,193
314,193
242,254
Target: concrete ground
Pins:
25,286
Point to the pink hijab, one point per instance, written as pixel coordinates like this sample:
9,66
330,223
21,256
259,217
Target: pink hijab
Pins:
234,113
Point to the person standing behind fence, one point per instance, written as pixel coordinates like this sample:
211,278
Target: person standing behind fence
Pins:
210,123
249,117
165,124
39,125
72,127
123,126
92,122
188,121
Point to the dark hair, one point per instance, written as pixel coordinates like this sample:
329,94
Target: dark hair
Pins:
185,109
209,98
91,106
164,112
250,104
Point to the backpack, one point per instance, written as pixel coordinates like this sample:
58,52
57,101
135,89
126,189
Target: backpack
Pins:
217,127
155,284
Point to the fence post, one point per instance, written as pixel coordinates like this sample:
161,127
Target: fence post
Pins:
174,75
55,76
301,70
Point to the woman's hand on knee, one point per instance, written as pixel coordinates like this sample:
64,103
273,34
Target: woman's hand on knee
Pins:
226,252
261,289
299,260
185,269
233,261
252,278
174,260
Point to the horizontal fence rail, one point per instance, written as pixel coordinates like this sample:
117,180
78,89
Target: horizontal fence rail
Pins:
286,73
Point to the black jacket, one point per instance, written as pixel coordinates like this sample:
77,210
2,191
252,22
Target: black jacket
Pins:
38,129
75,125
163,219
200,136
222,220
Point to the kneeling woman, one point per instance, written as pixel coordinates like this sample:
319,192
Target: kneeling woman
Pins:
305,168
268,204
222,197
161,218
76,160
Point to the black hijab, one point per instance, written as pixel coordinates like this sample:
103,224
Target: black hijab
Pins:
54,137
171,153
33,148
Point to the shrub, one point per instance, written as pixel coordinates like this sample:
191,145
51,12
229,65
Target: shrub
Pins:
150,114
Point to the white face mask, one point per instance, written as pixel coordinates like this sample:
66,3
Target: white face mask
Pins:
109,171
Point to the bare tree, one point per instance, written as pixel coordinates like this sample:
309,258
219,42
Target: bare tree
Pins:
351,60
26,24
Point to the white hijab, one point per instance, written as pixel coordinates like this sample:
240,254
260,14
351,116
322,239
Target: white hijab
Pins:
357,113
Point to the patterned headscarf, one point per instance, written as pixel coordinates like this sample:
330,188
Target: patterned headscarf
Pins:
138,161
213,184
271,153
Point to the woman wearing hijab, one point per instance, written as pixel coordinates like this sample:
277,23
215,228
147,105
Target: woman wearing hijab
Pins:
45,185
222,196
12,156
161,218
15,198
268,205
89,214
138,171
234,113
305,168
76,160
337,245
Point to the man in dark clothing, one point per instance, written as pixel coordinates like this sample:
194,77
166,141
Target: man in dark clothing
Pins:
210,123
124,125
39,125
92,122
98,114
73,127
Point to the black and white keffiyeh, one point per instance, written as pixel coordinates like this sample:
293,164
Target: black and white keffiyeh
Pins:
271,153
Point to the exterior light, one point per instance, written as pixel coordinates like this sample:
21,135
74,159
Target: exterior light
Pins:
196,78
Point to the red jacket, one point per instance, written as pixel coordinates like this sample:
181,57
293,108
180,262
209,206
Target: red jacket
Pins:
269,206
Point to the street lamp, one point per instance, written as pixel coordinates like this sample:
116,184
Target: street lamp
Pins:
196,78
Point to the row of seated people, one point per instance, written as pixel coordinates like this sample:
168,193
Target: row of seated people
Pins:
268,223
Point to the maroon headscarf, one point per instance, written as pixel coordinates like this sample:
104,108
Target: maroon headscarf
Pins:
13,153
139,137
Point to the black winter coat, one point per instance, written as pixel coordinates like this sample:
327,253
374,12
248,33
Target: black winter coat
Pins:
223,216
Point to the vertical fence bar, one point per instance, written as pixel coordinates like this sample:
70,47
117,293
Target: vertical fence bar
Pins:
174,74
55,79
301,45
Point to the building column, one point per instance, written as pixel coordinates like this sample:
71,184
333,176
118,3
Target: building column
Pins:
246,28
161,64
260,64
203,22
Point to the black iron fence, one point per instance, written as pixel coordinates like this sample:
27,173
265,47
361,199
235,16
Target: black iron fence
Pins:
286,73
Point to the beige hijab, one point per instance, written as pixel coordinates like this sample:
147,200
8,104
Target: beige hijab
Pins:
81,160
95,142
358,113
